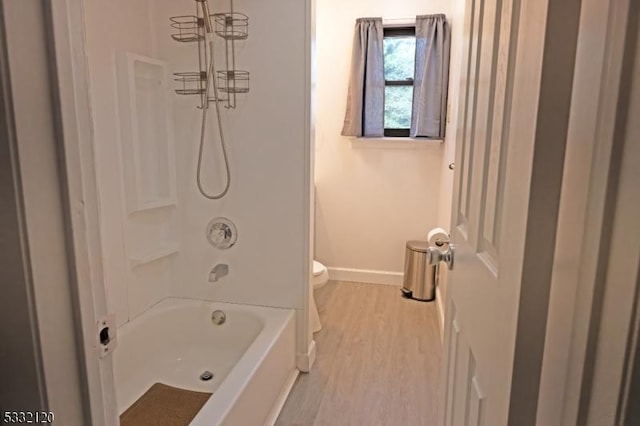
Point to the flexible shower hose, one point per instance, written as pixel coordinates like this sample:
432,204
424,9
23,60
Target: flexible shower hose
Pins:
211,78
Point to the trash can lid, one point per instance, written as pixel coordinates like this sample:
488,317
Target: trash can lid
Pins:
417,245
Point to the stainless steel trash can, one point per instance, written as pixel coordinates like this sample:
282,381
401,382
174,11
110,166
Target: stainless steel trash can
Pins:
420,278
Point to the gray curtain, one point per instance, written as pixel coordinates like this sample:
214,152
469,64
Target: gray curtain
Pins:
365,100
433,43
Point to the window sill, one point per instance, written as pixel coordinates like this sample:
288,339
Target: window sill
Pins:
394,143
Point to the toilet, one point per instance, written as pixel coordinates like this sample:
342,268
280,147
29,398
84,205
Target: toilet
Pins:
319,279
320,275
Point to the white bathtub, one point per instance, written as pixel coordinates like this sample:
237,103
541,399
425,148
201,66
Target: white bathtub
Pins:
252,356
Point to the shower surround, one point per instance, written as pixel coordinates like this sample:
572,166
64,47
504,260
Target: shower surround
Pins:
161,253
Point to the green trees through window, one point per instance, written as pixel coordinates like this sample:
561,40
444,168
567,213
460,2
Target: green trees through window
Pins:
399,62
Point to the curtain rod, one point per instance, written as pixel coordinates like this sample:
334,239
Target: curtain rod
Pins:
398,21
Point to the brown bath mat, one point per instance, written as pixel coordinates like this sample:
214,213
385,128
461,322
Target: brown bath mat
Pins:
164,405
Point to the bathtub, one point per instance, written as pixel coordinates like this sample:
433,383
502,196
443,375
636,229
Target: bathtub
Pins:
252,357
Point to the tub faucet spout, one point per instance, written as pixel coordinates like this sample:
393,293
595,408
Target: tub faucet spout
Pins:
218,272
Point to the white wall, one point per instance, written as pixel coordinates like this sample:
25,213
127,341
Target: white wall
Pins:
370,201
114,28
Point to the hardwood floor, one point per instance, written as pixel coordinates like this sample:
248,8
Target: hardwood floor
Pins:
378,361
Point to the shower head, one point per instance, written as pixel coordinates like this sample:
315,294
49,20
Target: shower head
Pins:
206,16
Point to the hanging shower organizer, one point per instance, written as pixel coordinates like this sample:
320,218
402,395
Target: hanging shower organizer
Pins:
228,27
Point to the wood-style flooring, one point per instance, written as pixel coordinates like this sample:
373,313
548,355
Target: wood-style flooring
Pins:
378,361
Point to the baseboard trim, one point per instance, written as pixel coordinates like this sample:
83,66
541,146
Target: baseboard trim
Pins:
440,308
304,362
366,276
282,398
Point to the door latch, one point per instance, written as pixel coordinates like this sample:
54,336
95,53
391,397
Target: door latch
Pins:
435,256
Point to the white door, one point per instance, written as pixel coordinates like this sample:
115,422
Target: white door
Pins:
496,211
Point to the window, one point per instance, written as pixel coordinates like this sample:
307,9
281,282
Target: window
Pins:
383,99
399,63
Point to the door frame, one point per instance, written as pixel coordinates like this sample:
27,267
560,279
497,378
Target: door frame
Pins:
54,180
68,41
582,246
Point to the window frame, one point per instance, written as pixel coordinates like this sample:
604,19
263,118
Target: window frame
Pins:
398,31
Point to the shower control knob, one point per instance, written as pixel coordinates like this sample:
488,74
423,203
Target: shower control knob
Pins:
222,233
219,235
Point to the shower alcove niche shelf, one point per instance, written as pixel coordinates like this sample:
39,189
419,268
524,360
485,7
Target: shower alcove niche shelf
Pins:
212,33
146,133
148,159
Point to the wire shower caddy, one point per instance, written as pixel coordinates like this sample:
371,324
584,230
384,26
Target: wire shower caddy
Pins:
229,27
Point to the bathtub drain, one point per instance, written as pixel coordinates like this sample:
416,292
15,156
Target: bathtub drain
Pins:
218,317
206,376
